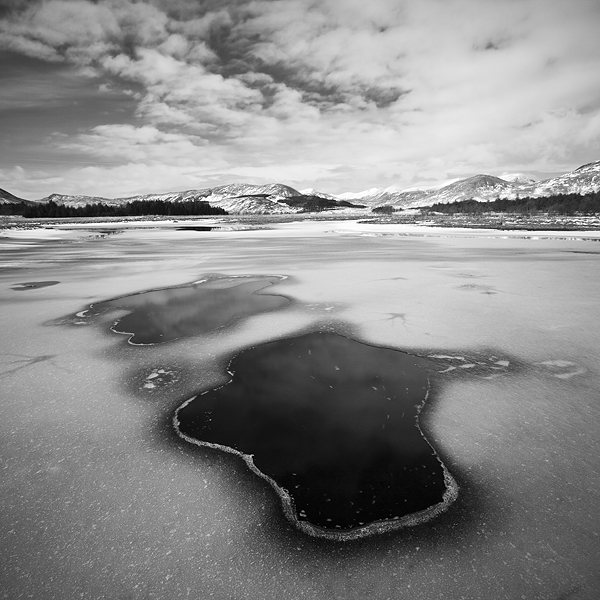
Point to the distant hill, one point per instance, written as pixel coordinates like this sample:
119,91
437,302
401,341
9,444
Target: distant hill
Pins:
235,198
11,204
517,178
8,198
483,188
313,192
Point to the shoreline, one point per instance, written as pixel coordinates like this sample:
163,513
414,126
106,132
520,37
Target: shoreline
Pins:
496,222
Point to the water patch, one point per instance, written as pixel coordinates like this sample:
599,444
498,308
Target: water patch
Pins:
332,424
164,315
197,228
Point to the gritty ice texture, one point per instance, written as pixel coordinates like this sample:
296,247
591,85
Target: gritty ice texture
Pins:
98,502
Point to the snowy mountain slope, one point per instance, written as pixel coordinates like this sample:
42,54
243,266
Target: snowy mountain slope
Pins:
478,187
313,192
382,196
235,198
8,198
359,196
273,190
249,205
517,178
242,198
583,180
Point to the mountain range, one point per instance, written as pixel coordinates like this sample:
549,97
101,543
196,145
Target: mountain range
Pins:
236,198
276,198
583,180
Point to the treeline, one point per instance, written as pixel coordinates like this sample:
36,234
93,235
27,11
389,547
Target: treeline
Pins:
130,209
317,204
385,209
560,204
12,208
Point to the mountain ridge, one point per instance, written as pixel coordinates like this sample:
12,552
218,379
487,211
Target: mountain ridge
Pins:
583,180
8,198
245,198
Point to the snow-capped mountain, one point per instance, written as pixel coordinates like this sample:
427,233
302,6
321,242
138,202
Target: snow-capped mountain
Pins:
274,191
235,198
243,198
381,196
369,194
249,205
238,198
313,192
583,180
517,178
478,187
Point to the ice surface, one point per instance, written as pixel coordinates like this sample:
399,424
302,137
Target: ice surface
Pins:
100,501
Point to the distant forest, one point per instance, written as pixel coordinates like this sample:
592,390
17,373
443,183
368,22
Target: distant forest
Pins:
130,209
317,204
560,204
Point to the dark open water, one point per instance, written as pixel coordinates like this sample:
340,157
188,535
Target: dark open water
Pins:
332,421
164,315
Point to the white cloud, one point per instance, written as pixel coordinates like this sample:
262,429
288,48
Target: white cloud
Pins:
386,91
145,144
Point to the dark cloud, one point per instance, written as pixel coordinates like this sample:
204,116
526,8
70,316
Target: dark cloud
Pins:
10,7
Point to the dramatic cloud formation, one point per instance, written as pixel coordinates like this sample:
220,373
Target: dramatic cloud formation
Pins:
129,97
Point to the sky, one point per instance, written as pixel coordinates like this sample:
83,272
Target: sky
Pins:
117,97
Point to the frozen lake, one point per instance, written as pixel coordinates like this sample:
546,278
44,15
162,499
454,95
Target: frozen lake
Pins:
101,499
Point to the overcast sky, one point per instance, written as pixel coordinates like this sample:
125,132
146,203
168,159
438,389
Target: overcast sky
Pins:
116,97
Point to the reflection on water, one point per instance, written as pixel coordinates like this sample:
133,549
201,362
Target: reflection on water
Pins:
164,315
330,420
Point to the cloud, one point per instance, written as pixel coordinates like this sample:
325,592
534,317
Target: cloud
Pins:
145,144
381,92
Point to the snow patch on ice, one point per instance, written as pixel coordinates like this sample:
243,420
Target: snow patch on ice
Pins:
159,378
561,369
